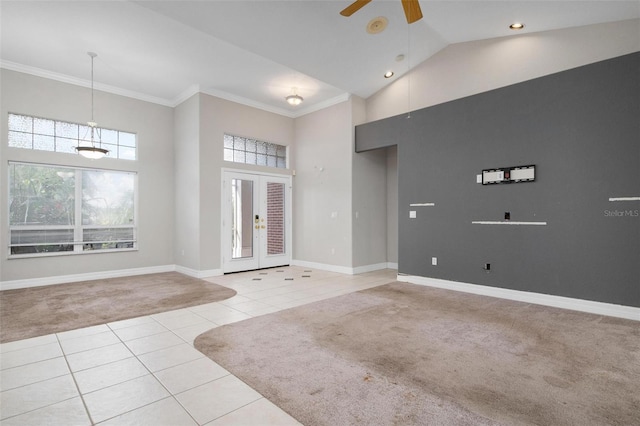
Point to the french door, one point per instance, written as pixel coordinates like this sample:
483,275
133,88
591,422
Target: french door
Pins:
256,221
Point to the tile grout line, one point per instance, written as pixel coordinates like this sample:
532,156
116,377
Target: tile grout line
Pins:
317,282
75,382
171,395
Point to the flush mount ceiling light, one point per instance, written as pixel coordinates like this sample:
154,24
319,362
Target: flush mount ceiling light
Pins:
388,74
294,99
516,26
92,149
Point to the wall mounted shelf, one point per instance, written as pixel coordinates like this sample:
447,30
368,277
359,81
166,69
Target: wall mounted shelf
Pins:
624,199
507,222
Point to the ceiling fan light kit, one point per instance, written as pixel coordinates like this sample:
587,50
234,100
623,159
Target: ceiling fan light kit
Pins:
411,8
377,25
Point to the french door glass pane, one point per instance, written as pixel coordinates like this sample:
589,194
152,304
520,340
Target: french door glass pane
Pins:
241,218
275,218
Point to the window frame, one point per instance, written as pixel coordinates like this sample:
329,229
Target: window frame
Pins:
114,148
284,164
78,228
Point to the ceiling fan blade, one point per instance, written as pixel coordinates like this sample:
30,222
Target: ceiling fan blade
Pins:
412,10
354,7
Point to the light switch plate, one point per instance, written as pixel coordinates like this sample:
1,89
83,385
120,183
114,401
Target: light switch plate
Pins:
412,214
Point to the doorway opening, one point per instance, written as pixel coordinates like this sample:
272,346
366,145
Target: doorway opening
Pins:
256,221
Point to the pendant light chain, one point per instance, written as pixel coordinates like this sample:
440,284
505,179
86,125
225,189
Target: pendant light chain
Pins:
92,58
93,152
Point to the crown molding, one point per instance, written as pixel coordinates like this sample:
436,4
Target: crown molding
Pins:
38,72
245,101
322,105
190,91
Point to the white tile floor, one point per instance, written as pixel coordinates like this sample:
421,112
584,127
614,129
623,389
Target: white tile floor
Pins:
145,370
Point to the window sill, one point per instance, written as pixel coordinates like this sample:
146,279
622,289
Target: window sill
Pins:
67,253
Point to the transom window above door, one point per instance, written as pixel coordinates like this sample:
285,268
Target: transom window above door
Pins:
252,151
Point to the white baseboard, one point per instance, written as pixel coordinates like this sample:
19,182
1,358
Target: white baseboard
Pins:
198,274
600,308
371,268
61,279
323,266
345,269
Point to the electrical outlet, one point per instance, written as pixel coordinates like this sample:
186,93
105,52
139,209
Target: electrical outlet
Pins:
434,261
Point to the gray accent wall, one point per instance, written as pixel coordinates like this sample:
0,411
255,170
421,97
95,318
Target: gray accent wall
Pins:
581,129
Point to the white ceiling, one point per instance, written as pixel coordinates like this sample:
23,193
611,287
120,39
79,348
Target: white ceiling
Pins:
255,52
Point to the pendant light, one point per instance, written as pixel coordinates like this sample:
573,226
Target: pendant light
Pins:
95,150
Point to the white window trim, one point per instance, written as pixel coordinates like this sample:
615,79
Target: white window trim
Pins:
117,146
78,227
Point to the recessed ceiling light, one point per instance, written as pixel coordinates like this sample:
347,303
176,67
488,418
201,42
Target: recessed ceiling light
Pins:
388,74
516,26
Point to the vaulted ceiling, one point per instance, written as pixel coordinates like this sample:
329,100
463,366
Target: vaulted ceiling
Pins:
257,52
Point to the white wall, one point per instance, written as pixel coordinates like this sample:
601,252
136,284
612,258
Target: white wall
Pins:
465,69
29,95
392,204
322,187
217,117
369,200
186,123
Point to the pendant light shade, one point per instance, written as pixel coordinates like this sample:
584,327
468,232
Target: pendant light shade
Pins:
93,147
294,99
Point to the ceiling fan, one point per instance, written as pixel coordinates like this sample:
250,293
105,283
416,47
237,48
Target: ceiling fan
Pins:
411,9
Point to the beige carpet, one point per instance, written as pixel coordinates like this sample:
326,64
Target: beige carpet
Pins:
403,354
37,311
